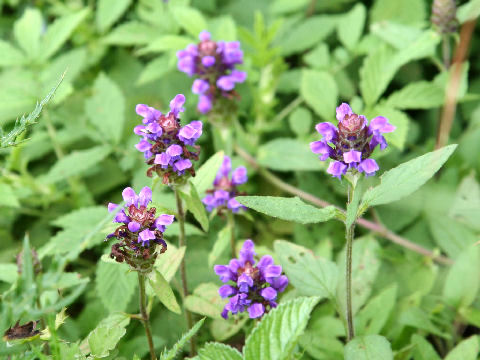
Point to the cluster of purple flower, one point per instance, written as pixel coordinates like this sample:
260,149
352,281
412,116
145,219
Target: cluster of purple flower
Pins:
214,64
256,287
351,144
225,189
164,142
140,228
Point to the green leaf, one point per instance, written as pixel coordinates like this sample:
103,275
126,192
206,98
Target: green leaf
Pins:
221,243
284,154
365,266
461,285
287,6
305,34
194,204
369,347
290,209
223,28
131,33
320,91
107,334
404,12
166,43
300,121
11,56
109,11
8,273
372,318
418,95
7,196
59,32
418,318
466,207
218,351
27,32
163,291
27,274
466,350
275,337
114,285
223,329
406,178
170,355
398,118
205,300
168,265
350,26
155,69
76,163
205,176
190,19
468,11
310,275
106,108
423,349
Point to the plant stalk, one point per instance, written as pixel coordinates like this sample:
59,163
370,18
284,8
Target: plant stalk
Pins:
145,317
183,272
349,235
231,225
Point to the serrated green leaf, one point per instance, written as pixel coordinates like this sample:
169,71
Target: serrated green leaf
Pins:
466,350
167,264
284,154
59,32
27,31
418,95
369,347
350,27
406,178
205,300
106,108
170,355
11,56
114,285
106,335
423,349
365,266
290,209
320,91
76,163
131,33
461,285
372,318
190,19
218,351
7,196
275,337
308,274
221,243
163,291
109,11
204,177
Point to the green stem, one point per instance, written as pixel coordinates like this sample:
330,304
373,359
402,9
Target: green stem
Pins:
145,317
182,241
446,51
231,225
350,233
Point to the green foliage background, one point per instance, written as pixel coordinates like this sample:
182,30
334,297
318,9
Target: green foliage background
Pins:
302,58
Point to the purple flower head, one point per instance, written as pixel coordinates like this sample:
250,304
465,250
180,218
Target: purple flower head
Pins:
222,196
141,230
213,65
252,288
165,143
351,143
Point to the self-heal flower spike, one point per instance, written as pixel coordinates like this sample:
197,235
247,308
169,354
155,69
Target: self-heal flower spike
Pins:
351,144
253,287
213,63
165,144
224,191
140,231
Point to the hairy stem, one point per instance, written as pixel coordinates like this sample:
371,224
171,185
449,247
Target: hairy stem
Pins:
145,317
373,226
182,241
350,231
231,225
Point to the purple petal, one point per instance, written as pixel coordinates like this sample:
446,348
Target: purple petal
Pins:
199,86
146,235
129,196
343,110
139,130
321,147
352,156
223,271
111,207
226,82
327,130
174,150
208,61
121,217
279,283
380,125
269,293
181,165
164,219
133,226
244,282
204,104
143,145
145,196
337,169
265,261
256,310
247,252
239,175
234,205
176,105
272,271
204,35
226,291
369,166
162,159
238,76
